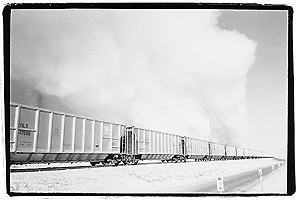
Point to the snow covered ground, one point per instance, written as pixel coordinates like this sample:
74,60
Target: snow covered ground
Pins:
139,179
273,183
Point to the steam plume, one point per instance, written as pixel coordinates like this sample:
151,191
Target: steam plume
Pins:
171,71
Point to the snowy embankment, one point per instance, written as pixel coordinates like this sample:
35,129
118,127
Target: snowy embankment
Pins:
133,179
273,183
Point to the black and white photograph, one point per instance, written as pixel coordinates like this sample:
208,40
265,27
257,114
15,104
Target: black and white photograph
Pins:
149,99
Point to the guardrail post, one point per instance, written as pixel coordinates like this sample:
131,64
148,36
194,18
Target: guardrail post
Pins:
260,178
273,167
220,184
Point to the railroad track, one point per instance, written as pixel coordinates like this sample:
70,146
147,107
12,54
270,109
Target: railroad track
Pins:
59,168
37,169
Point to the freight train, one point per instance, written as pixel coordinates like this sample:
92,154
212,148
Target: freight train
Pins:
43,136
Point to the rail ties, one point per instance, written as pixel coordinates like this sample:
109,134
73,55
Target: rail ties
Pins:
52,168
38,169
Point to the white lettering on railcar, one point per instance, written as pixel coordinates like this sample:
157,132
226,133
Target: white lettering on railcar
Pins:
24,132
106,129
23,125
25,144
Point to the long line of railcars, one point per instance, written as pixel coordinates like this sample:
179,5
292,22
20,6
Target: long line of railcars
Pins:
43,136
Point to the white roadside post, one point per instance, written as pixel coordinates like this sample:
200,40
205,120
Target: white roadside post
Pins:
220,184
279,168
273,172
260,177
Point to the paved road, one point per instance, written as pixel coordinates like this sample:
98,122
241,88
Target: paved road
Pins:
231,184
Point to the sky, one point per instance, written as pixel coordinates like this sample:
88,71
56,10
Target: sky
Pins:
207,74
267,78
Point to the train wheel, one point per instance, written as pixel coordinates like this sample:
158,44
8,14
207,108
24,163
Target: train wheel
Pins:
116,162
94,163
182,159
104,163
128,160
135,162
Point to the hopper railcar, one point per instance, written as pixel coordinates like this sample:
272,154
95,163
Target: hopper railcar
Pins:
39,135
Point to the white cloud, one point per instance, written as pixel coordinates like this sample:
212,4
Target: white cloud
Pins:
163,70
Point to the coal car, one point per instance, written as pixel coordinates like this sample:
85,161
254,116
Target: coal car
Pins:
40,135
